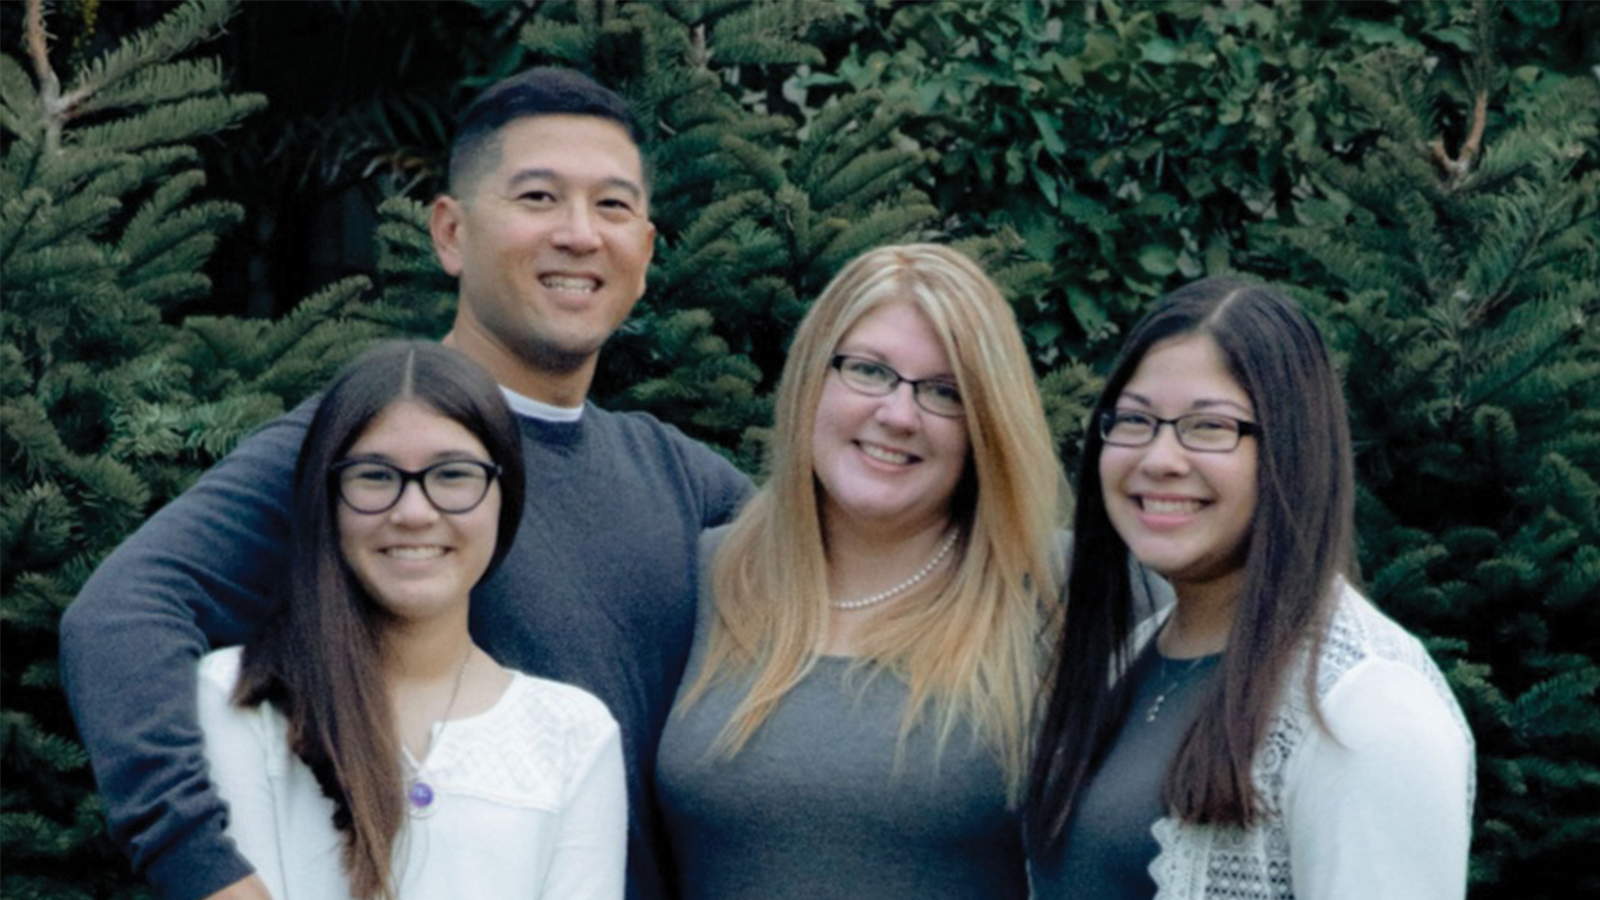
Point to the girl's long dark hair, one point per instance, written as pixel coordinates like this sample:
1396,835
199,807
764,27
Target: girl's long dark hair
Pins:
1301,540
319,660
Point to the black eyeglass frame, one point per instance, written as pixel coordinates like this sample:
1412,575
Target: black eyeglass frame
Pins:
420,476
1108,420
839,359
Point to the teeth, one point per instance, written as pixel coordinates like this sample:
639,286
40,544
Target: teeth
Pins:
884,454
415,552
565,283
1170,506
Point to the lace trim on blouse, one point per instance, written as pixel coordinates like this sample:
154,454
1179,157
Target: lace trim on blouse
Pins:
1224,863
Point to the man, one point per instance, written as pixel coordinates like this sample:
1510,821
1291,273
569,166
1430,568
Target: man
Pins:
547,226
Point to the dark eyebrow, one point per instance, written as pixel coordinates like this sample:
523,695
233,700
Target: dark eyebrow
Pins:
441,456
1203,403
622,184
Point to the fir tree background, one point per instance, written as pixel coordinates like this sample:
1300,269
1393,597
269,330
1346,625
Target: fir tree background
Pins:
206,207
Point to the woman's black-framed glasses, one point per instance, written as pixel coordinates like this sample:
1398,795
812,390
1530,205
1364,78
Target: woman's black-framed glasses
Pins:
453,486
939,396
1200,432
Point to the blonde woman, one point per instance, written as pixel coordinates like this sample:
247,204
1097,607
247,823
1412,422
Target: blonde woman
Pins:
853,720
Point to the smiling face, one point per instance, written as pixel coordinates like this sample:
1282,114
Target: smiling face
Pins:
414,561
885,465
551,243
1185,514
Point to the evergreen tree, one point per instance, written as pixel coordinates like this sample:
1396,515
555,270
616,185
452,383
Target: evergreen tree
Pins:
108,404
1461,285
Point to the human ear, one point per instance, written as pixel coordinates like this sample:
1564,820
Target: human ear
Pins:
446,224
650,255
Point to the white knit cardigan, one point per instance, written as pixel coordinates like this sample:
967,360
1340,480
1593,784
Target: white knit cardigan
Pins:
1378,805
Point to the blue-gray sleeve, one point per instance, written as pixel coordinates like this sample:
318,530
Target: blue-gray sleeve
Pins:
199,574
723,488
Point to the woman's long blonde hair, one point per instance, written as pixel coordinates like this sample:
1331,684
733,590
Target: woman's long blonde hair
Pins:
970,649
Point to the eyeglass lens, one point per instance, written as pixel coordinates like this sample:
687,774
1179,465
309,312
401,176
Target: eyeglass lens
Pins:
1206,432
453,486
936,395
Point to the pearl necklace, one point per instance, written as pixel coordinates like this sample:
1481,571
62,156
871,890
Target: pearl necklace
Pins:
419,793
902,587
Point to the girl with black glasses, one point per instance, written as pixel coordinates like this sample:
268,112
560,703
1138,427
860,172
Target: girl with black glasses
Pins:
1271,735
364,743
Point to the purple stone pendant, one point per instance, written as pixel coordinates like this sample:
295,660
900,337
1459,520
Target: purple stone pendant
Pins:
420,796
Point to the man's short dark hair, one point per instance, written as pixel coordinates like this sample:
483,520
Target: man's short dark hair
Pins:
540,91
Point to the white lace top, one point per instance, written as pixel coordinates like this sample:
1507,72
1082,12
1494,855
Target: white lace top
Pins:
1381,807
529,798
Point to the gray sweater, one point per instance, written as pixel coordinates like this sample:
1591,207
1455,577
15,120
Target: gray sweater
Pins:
597,591
1107,849
824,802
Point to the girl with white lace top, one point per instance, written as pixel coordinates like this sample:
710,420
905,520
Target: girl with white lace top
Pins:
366,746
1271,735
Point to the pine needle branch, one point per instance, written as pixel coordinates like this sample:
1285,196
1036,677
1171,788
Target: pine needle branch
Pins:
49,84
1460,166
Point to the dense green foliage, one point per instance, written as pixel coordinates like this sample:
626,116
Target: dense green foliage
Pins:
1094,155
109,409
1460,285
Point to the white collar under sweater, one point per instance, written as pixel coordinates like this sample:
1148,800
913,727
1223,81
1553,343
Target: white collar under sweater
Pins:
538,409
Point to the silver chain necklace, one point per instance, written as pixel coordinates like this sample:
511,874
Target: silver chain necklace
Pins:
902,587
1173,683
419,793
